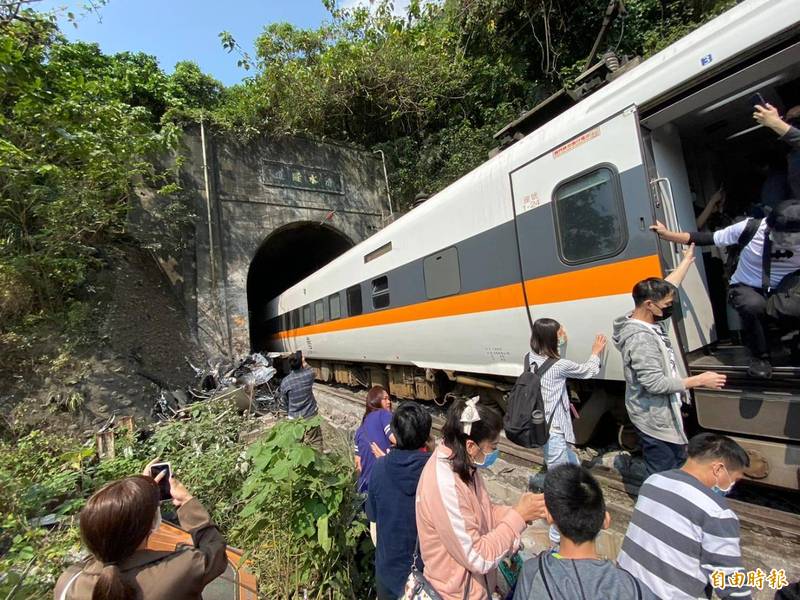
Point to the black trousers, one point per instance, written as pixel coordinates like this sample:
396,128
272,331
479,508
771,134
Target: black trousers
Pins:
751,304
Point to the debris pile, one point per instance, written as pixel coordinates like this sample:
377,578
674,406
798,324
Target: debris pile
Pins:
250,385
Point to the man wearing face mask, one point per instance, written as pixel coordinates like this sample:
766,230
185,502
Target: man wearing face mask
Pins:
682,535
654,389
770,250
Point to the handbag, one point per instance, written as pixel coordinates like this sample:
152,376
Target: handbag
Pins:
419,588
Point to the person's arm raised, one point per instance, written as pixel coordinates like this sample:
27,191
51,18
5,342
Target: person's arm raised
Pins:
768,116
678,275
678,237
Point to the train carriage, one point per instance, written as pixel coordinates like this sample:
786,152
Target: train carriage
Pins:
557,225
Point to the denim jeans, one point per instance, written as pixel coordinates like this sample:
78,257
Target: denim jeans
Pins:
659,455
556,452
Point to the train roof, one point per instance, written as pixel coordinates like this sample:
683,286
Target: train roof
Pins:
698,56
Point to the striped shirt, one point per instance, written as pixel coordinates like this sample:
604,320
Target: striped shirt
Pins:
554,389
679,535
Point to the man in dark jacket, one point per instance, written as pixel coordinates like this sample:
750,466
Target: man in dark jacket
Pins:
392,498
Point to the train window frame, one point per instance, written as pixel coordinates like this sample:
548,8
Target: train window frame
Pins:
295,318
319,311
306,315
354,292
436,278
382,294
618,203
337,314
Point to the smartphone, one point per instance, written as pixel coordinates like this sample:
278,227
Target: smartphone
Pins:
757,99
163,485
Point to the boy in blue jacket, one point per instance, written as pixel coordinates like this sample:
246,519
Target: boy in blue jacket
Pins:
392,497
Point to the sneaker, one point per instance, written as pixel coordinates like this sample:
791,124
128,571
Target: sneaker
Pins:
760,368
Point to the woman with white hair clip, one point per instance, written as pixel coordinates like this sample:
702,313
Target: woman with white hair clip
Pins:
463,536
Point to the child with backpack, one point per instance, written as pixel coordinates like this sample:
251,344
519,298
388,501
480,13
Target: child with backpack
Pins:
545,360
574,503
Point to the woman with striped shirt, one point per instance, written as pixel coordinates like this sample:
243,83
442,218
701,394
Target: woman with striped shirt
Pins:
547,337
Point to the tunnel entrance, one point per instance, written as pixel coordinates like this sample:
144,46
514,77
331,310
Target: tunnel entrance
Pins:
286,256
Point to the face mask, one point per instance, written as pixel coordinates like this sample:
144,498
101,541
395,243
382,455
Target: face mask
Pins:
784,239
666,313
489,459
722,491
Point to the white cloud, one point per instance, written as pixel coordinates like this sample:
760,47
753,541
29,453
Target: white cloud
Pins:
400,6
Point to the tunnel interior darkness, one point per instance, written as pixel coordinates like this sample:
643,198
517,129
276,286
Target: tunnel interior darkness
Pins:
285,257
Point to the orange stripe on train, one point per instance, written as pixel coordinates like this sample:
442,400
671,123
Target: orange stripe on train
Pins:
594,282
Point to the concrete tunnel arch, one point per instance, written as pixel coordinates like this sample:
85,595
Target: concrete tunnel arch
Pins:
286,256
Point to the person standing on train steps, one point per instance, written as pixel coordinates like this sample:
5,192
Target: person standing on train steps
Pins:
547,338
683,538
297,389
654,390
765,282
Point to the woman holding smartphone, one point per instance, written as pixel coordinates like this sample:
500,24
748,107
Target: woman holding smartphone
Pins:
115,526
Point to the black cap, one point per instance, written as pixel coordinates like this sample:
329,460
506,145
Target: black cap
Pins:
785,217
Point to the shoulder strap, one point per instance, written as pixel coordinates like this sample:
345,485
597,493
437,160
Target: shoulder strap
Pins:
468,586
528,361
638,588
540,371
748,233
72,579
544,579
766,262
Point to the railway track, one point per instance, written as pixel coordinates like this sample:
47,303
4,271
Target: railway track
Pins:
763,520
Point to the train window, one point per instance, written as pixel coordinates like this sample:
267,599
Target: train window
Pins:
335,306
354,305
295,318
307,314
590,221
442,274
319,311
380,292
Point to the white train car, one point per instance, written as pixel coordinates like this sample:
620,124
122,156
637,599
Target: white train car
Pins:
557,225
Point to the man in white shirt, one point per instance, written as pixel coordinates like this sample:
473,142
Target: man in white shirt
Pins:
757,274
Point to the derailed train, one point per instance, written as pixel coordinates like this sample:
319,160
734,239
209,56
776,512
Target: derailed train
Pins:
556,225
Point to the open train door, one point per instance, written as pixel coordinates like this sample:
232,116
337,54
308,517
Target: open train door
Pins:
589,198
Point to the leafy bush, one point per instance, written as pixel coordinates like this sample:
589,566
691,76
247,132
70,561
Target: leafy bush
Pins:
300,518
295,514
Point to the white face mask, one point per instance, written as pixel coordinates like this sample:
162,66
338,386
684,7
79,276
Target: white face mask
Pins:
785,239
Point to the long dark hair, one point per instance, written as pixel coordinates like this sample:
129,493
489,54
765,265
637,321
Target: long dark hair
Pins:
544,337
488,428
115,520
374,400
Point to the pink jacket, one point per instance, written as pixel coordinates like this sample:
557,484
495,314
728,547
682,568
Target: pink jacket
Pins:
461,533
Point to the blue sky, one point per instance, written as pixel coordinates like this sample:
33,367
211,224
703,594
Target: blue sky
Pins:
175,30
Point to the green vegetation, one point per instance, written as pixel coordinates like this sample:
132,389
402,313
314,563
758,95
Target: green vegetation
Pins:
248,492
78,128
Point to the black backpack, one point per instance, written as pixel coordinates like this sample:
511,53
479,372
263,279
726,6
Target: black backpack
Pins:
524,422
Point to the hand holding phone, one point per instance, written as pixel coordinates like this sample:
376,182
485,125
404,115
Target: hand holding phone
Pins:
757,100
162,472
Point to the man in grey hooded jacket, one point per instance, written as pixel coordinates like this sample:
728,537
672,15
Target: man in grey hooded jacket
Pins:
654,389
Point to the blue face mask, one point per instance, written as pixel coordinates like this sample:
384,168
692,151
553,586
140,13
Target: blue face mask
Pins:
722,491
489,459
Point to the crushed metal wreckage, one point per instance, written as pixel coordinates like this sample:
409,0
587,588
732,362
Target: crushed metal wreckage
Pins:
251,385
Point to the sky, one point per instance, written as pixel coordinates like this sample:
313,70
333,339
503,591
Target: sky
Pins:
175,30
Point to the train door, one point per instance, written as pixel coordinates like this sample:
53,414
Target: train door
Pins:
583,212
673,206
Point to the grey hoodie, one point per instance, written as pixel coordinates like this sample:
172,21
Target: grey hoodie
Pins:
652,394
